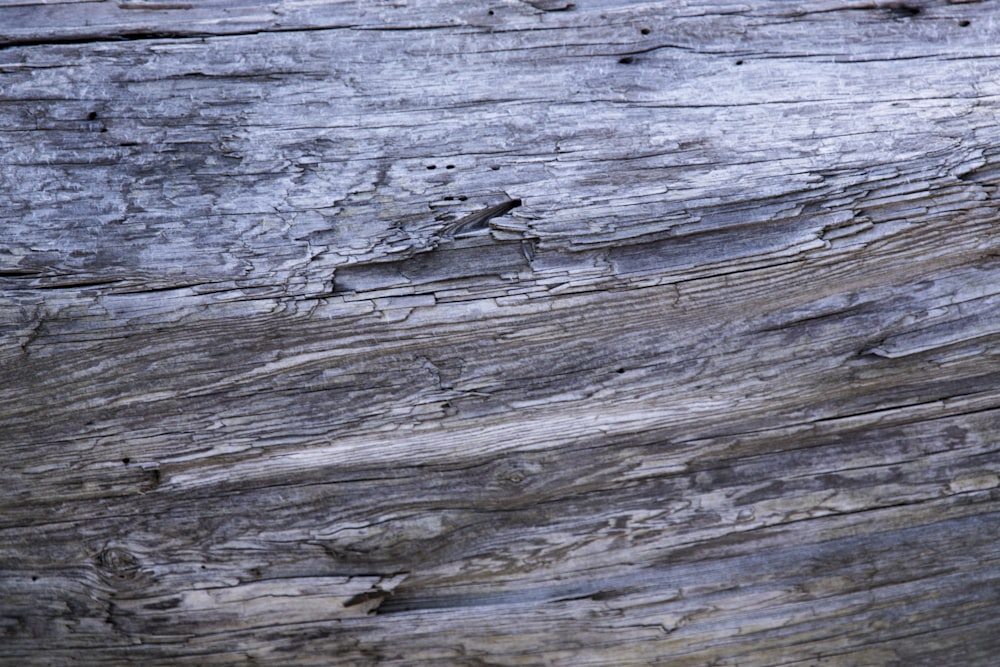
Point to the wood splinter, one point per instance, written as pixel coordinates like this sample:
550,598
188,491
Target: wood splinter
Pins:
479,220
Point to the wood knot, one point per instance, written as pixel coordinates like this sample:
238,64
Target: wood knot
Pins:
119,562
511,475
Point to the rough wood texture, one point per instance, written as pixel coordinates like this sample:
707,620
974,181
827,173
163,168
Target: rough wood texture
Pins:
724,389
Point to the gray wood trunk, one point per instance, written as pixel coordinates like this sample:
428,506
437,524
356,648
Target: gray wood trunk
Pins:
509,333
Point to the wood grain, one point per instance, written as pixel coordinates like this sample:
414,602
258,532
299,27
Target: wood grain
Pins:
288,379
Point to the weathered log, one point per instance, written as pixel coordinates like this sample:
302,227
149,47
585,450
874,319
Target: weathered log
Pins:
534,333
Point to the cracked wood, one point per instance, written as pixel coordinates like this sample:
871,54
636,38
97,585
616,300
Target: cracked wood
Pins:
536,333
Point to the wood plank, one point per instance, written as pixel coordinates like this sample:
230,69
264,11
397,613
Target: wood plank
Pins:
288,378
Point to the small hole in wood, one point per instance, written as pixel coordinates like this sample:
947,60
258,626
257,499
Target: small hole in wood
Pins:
92,115
964,24
490,12
495,167
462,197
645,31
739,62
449,166
126,460
619,370
432,166
627,60
34,577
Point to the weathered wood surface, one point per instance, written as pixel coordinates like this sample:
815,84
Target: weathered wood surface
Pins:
724,389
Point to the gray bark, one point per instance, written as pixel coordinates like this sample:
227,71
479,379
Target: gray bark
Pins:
528,333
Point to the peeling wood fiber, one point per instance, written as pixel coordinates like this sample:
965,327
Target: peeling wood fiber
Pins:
525,333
